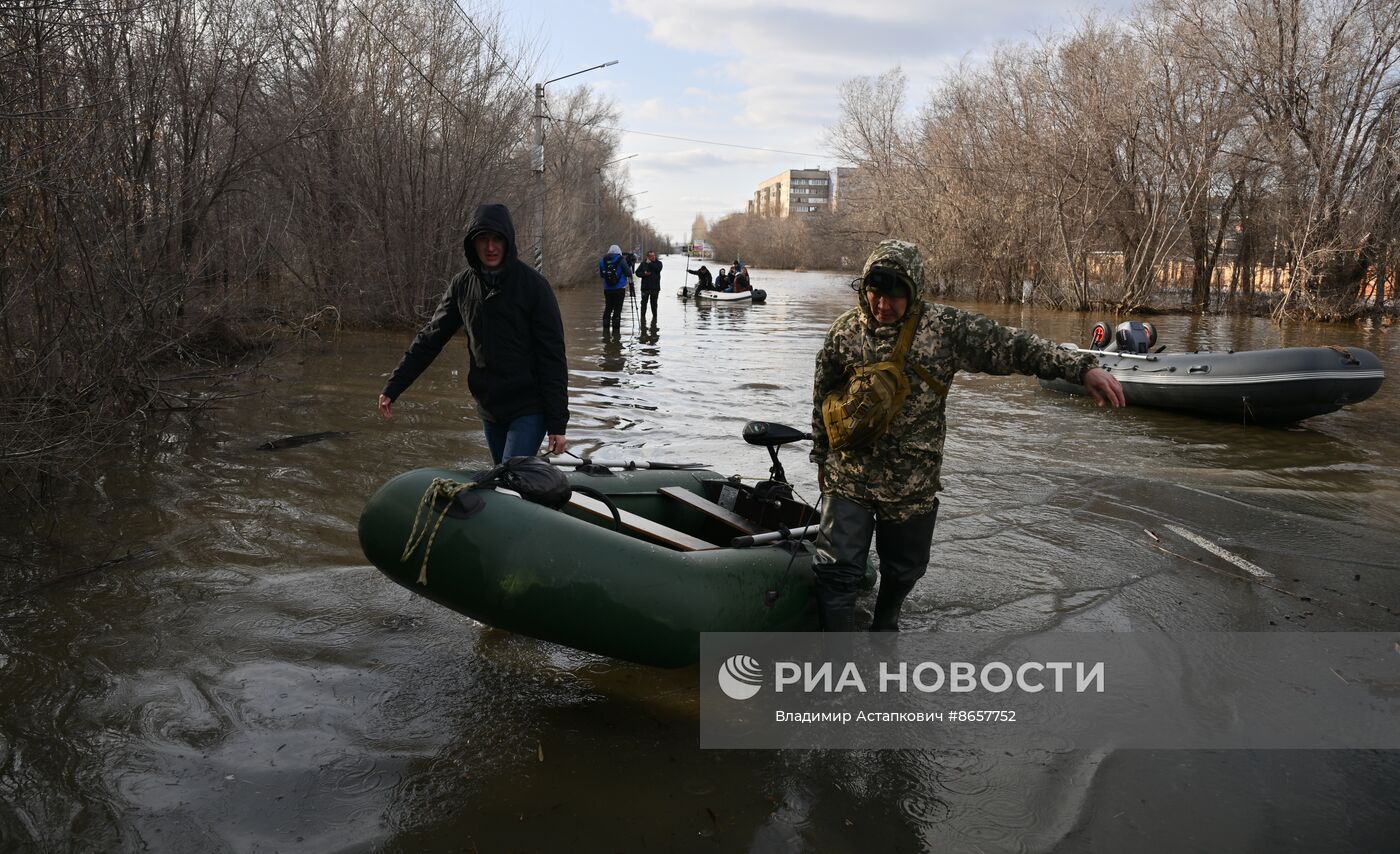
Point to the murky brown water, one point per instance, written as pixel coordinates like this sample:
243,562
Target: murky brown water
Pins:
253,685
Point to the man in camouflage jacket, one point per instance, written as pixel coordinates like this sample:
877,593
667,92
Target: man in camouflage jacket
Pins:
888,490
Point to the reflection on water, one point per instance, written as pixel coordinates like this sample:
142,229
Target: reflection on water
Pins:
251,684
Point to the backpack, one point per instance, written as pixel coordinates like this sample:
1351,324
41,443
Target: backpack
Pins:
858,414
535,479
612,271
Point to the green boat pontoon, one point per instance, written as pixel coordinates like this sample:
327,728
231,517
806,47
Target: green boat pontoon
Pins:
641,559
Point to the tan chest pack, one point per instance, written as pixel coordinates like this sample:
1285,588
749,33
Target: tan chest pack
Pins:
861,412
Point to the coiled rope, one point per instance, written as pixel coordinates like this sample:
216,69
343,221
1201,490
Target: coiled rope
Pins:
441,488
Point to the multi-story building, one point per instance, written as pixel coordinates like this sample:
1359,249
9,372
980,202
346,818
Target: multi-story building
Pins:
797,192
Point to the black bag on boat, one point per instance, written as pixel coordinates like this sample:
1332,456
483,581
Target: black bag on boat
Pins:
535,479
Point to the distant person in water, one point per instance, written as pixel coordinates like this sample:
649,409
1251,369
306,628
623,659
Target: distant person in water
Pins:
616,274
515,343
649,273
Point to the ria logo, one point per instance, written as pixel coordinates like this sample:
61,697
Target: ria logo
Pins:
740,677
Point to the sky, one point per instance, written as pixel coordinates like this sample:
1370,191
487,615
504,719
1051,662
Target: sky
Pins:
716,96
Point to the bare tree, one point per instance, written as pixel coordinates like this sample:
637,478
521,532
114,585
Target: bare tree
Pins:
181,178
1195,113
1320,78
871,132
1086,167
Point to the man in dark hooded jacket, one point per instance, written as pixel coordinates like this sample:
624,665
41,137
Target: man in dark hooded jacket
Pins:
518,374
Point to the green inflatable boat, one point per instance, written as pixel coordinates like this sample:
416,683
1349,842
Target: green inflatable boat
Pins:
640,560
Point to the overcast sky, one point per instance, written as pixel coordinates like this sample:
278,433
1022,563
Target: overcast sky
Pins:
755,74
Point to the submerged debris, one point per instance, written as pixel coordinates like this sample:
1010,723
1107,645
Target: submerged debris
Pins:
303,439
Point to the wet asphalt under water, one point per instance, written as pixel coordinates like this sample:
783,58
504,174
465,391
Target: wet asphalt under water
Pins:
246,682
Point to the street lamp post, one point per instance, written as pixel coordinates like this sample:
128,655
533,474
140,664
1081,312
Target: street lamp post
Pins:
618,160
537,160
633,226
598,194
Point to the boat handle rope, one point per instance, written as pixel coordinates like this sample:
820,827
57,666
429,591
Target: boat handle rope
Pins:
1351,360
440,488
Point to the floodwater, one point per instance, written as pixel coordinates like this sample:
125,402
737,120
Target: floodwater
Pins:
239,679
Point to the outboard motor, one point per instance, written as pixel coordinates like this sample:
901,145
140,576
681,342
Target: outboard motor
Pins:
1100,336
773,436
1134,336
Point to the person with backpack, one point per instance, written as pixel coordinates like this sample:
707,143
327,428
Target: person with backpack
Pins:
515,343
616,274
878,424
649,273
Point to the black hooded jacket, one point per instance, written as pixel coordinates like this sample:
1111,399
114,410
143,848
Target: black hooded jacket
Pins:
514,334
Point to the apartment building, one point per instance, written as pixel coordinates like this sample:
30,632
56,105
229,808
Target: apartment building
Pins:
797,192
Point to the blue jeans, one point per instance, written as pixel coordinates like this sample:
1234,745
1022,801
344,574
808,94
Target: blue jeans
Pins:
520,437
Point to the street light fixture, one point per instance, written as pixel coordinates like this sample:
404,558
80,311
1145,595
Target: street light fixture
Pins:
537,158
618,160
598,196
632,225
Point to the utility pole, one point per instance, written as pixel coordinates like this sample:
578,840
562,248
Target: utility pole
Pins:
537,162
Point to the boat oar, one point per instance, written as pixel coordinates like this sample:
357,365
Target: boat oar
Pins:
627,465
1146,357
774,536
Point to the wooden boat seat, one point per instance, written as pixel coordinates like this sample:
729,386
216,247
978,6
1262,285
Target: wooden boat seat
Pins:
711,509
641,525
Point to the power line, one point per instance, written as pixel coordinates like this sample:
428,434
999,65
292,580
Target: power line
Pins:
701,141
960,167
491,47
529,90
411,63
548,114
453,104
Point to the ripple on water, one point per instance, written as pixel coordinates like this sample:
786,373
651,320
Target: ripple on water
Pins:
351,776
184,715
924,811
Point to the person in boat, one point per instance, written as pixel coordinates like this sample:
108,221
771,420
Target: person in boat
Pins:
517,372
878,453
649,274
739,281
706,281
616,274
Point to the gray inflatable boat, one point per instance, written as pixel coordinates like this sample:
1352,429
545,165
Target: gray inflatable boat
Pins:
1280,386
